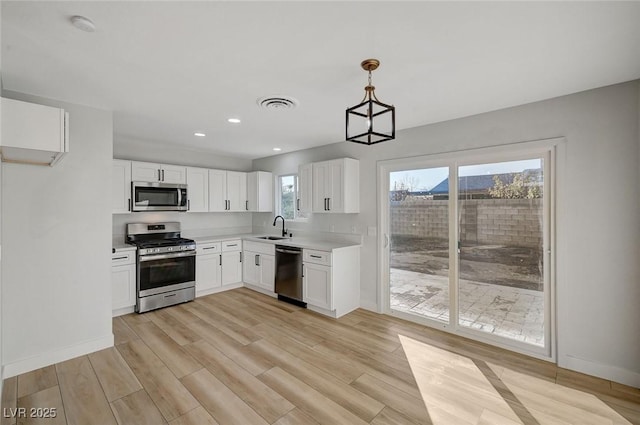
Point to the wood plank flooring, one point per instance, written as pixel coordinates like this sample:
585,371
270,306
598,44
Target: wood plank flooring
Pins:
243,358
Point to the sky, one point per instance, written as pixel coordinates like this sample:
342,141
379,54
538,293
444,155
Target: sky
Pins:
426,179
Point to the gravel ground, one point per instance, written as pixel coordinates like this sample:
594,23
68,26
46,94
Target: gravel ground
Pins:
512,266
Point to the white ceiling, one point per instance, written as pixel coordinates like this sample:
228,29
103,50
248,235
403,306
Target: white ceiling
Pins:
168,69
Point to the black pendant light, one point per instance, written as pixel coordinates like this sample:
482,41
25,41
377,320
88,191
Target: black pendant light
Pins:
371,121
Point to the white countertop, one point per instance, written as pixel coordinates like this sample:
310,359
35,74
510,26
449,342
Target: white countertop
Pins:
119,244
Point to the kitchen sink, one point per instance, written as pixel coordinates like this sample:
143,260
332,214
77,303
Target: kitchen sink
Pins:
271,238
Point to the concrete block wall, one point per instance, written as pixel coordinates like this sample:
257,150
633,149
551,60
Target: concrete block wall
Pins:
513,222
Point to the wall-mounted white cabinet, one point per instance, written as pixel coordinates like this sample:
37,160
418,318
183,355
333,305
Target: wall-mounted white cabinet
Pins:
208,268
198,190
331,280
260,191
123,281
151,172
259,265
305,188
121,186
33,134
227,191
336,186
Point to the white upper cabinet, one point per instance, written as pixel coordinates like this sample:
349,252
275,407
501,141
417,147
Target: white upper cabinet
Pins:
237,191
260,191
198,190
305,188
227,191
121,186
33,134
150,172
336,186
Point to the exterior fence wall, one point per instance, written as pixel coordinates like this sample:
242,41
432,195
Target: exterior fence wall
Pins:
513,222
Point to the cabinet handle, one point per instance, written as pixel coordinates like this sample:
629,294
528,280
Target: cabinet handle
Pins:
220,259
188,204
232,244
240,256
315,256
119,258
129,204
298,204
162,175
302,270
159,177
328,204
209,247
257,260
246,205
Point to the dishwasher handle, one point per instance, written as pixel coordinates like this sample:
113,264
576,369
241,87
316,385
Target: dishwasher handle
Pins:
288,251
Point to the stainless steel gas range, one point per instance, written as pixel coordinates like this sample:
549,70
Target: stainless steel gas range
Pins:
165,265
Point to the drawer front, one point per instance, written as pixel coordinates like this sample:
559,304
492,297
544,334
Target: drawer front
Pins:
208,248
316,257
260,248
234,245
121,258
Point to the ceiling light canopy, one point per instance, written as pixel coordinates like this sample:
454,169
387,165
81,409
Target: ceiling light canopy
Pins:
82,23
234,120
277,149
198,134
371,121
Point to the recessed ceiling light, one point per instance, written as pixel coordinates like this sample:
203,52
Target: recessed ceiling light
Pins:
277,149
199,134
234,120
83,23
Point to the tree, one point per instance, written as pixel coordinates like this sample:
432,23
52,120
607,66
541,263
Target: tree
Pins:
520,187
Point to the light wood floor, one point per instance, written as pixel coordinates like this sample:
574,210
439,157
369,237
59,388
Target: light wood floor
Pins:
243,358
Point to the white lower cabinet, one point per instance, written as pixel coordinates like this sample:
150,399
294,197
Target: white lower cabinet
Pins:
316,286
331,280
208,268
231,260
259,266
123,282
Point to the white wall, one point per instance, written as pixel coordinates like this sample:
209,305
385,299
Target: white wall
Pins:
56,238
598,230
154,151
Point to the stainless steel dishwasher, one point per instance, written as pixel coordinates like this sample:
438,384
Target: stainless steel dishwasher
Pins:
289,274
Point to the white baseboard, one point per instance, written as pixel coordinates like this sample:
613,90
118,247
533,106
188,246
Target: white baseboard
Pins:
56,356
260,290
218,289
612,373
123,311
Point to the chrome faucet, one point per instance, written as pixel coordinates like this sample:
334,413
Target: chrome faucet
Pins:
284,231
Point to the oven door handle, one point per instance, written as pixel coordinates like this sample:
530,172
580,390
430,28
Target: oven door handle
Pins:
167,256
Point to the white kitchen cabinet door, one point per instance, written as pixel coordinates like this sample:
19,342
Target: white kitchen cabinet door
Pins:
145,172
121,187
198,190
316,286
305,188
217,190
231,267
320,186
208,272
123,286
260,191
251,268
267,272
236,191
336,186
32,133
173,174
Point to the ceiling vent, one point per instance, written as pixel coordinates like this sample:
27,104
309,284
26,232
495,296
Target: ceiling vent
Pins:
277,102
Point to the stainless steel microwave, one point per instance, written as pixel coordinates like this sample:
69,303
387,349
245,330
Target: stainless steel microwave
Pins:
148,196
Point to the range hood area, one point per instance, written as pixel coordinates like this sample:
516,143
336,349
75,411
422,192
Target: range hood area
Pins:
33,134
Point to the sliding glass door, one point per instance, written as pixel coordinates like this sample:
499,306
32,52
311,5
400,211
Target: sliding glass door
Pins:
419,244
468,246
